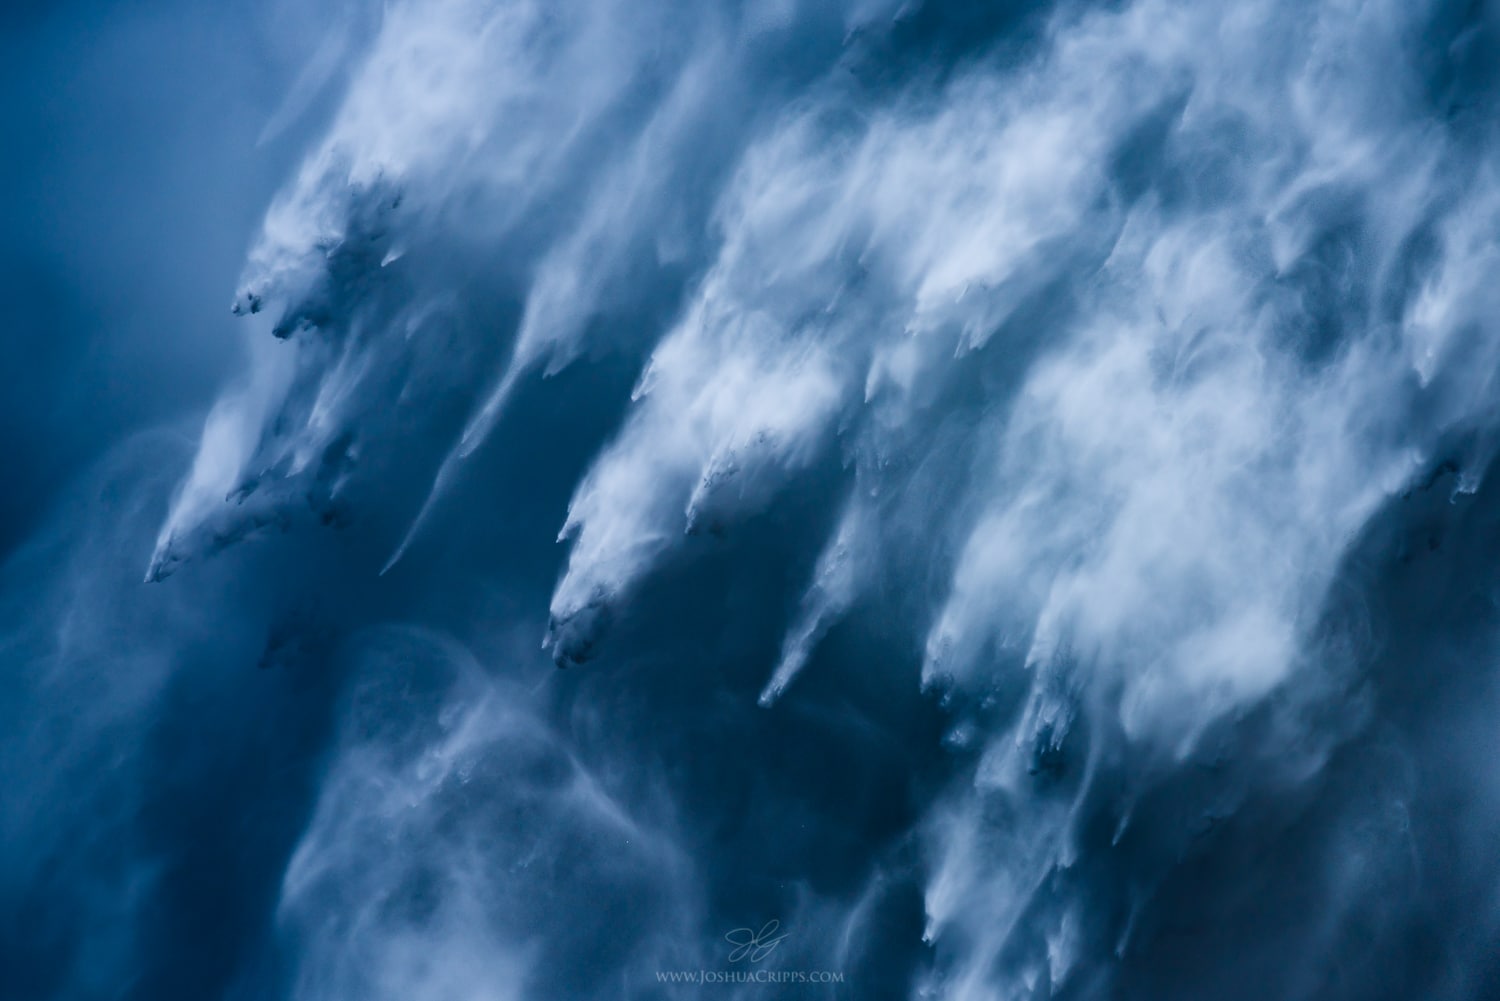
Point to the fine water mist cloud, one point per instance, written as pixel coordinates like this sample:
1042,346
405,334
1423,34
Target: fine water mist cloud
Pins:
1009,491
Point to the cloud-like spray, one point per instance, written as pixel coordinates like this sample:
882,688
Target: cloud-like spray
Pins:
996,457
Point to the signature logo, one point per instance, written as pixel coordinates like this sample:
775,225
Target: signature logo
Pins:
754,945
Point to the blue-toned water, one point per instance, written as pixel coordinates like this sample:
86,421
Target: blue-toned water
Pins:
856,500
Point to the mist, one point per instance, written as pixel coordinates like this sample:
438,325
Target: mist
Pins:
603,500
